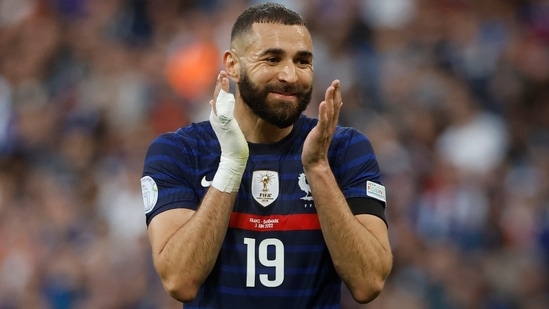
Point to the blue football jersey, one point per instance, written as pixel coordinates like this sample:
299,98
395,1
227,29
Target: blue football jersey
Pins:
274,254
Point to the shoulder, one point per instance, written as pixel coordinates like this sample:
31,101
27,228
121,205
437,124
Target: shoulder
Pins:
181,152
306,123
188,136
195,140
196,131
342,132
350,136
344,136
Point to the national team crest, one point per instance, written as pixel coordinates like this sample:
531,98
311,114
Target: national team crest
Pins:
304,186
265,187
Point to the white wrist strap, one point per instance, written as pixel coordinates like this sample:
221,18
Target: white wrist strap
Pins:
234,148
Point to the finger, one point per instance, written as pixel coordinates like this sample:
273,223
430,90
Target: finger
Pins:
337,92
323,115
216,93
217,87
332,104
329,99
338,101
222,82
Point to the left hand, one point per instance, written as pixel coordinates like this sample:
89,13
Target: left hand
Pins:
317,143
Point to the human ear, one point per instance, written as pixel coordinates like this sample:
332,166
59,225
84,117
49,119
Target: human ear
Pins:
232,65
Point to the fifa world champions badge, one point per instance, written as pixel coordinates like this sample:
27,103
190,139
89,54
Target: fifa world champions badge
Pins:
265,187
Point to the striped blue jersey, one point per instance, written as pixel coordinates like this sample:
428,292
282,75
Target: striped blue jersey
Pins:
274,255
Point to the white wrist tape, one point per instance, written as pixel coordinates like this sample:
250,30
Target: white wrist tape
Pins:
234,148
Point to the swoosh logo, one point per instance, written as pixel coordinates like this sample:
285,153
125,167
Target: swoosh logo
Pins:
205,183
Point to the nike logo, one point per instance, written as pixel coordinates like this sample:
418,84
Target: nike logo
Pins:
205,183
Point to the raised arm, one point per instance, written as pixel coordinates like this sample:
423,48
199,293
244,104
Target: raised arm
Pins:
358,245
185,243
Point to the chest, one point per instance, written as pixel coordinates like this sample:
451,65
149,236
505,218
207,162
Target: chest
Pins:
275,184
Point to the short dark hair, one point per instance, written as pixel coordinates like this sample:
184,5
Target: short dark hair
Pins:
265,13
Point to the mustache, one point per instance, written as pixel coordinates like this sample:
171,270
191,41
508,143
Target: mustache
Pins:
285,88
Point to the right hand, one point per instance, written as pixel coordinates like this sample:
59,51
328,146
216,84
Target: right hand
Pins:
234,147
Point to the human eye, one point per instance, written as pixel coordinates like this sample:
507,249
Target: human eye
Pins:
304,62
272,59
304,59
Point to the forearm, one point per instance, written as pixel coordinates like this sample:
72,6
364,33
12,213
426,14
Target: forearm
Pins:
186,243
362,260
189,255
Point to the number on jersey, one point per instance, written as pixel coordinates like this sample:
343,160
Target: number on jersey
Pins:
277,262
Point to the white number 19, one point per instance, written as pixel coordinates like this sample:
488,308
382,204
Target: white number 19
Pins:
277,261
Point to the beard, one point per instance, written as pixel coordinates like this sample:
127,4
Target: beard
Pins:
281,113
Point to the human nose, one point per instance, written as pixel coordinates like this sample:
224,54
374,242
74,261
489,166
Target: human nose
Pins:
288,73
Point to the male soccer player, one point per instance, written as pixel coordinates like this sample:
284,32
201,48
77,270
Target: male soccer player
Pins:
261,206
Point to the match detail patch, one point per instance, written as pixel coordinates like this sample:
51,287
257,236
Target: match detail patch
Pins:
376,191
150,193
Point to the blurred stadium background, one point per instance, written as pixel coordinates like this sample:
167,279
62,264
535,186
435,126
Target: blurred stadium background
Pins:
454,95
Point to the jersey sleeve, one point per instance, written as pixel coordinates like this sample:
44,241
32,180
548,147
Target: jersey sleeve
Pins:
358,173
165,182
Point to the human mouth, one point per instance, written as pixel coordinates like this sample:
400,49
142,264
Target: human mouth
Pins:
284,96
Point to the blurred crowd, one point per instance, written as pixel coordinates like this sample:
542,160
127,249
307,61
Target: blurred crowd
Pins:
454,95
